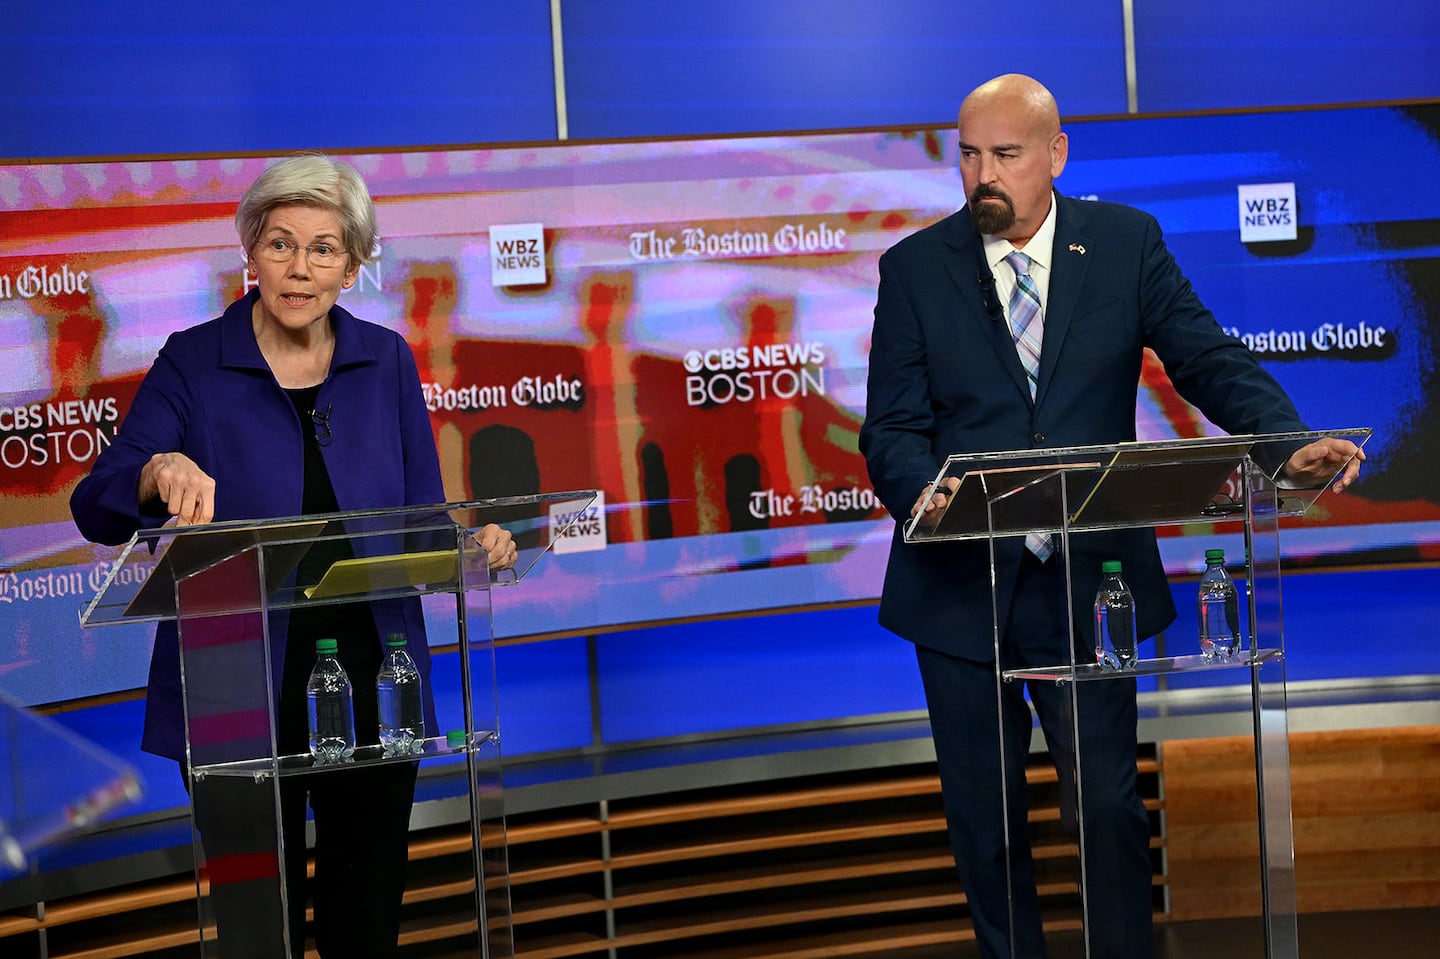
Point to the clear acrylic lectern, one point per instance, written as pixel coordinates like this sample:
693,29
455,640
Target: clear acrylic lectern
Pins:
1220,482
53,784
225,583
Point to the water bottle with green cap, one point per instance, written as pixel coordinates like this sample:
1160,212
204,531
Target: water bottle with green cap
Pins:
397,693
1219,604
1114,620
331,706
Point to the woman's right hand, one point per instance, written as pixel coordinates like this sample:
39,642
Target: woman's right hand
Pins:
187,491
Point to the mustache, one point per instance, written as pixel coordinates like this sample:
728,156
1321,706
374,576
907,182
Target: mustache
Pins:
982,192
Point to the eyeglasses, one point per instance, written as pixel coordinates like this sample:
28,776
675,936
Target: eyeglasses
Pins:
322,255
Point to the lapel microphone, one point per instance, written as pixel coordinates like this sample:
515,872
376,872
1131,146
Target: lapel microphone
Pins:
321,420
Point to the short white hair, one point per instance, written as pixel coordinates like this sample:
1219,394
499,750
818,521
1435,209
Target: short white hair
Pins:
312,179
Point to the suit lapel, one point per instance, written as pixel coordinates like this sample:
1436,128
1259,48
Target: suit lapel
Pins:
966,265
1069,261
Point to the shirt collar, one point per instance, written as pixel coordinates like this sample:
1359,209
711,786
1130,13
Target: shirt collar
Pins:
238,346
1040,249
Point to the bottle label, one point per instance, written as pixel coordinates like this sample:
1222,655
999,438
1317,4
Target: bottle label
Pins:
330,714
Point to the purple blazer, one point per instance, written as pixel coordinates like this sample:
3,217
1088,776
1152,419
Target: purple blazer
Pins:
211,396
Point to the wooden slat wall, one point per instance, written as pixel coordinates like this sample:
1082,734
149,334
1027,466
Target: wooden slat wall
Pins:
1366,812
846,865
856,865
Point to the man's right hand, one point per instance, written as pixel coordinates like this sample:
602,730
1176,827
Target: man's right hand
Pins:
930,505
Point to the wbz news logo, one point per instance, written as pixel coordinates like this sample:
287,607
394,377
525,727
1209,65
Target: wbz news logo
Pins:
517,254
1267,212
583,530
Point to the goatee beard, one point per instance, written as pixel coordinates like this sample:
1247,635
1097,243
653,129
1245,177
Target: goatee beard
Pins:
992,219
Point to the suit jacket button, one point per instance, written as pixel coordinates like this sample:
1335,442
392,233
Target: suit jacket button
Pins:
1038,439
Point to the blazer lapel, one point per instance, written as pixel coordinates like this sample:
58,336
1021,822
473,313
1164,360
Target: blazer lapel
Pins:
1069,261
967,269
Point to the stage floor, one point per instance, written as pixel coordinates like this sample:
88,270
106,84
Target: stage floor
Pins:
1334,935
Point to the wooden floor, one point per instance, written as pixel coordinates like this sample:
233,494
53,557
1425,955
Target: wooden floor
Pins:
1379,934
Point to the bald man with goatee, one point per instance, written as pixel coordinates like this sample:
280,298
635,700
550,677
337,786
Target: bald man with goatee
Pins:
1019,323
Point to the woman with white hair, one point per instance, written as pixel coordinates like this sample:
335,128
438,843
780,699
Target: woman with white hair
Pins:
288,405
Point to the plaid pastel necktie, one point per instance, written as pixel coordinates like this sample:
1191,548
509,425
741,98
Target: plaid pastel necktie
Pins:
1027,327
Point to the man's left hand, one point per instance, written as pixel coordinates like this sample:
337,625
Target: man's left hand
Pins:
1312,465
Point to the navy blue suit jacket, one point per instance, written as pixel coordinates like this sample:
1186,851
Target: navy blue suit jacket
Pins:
945,378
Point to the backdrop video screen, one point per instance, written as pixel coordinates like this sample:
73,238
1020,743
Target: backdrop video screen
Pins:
683,325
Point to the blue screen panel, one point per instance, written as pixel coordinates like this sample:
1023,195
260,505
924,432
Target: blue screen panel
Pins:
544,693
658,68
719,675
543,690
92,79
1231,54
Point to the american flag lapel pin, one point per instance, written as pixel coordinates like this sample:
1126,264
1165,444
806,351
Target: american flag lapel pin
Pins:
1077,248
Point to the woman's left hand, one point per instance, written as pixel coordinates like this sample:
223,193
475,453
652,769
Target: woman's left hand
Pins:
498,545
